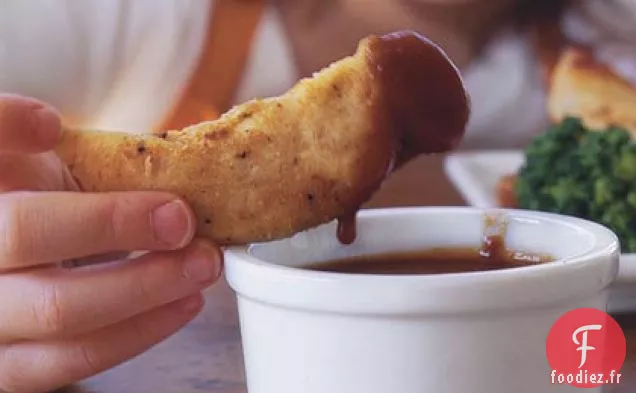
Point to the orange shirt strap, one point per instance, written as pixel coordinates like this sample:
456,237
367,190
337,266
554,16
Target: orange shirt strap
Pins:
228,44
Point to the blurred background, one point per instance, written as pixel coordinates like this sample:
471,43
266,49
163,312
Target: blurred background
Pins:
152,65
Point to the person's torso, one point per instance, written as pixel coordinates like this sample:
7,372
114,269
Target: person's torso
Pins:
115,63
122,64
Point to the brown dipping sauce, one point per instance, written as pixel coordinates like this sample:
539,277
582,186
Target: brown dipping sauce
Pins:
492,255
422,101
435,261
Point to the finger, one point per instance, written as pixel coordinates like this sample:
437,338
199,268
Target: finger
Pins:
38,228
42,366
60,303
27,125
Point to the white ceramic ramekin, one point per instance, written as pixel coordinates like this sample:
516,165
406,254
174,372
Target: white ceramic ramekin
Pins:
484,332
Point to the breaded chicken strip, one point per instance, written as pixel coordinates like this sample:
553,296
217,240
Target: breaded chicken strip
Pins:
273,167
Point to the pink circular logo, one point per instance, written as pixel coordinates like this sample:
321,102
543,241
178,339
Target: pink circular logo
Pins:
586,348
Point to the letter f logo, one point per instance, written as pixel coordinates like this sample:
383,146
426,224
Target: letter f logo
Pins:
583,343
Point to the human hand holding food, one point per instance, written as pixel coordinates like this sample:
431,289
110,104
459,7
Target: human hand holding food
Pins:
60,325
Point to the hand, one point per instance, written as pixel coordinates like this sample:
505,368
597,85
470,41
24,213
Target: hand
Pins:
60,325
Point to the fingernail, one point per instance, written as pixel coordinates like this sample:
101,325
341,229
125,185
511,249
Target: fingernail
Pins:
49,125
172,224
192,303
203,264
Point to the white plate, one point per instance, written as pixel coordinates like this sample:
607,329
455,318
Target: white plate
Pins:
476,174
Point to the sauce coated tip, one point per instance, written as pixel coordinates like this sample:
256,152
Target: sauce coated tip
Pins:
422,93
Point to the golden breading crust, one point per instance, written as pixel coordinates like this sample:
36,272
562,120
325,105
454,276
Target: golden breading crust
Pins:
583,87
267,168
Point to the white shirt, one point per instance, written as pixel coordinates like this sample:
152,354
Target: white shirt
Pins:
505,84
120,64
115,64
609,27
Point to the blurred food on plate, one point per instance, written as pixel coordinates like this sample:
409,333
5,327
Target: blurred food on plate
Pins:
584,172
585,163
584,87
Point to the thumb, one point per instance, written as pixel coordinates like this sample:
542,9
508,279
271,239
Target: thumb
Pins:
27,125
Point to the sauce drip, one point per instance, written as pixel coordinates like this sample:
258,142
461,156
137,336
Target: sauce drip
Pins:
420,102
493,243
347,228
494,246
